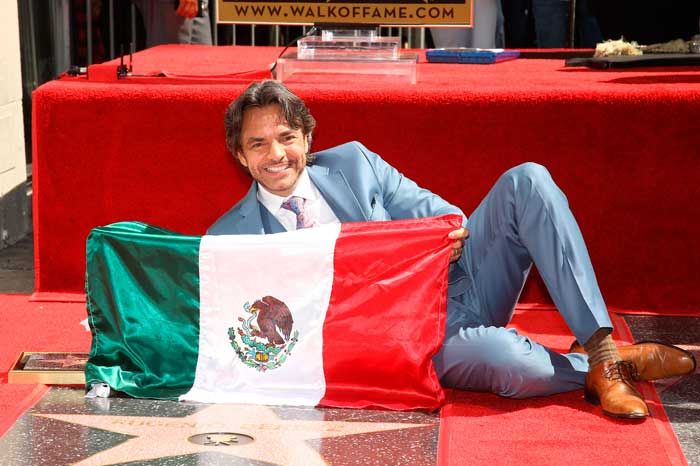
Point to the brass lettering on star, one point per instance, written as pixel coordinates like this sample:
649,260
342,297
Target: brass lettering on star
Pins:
161,422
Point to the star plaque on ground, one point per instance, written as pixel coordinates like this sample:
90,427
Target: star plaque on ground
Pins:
49,368
129,431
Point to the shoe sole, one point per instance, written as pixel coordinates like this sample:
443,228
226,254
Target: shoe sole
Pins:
624,416
594,400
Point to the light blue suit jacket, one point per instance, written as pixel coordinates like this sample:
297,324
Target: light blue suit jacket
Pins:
359,186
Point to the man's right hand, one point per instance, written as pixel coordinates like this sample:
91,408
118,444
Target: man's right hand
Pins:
458,236
187,8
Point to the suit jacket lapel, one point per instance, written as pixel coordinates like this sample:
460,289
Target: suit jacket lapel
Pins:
255,218
337,193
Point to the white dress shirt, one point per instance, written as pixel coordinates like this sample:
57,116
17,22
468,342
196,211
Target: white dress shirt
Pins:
315,206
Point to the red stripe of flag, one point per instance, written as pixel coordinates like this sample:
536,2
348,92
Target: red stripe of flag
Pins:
387,308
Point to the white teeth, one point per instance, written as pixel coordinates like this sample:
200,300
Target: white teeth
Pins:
277,169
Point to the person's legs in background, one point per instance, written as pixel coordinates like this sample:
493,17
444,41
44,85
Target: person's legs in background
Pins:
164,26
551,22
198,29
485,33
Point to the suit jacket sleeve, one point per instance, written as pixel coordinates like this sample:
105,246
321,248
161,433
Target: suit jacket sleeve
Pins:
403,198
400,196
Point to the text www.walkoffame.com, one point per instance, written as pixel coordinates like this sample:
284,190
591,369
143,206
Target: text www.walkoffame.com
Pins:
326,11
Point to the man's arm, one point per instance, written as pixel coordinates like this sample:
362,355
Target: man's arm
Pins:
403,198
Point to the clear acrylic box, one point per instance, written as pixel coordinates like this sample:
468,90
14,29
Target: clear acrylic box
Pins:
348,43
401,69
361,52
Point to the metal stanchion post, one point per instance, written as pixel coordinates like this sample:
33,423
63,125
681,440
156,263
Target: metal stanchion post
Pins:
111,29
133,23
32,45
572,23
212,20
88,21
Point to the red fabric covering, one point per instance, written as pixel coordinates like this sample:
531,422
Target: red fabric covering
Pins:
387,304
485,429
621,144
28,326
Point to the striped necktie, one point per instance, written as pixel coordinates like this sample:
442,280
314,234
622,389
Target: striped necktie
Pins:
296,204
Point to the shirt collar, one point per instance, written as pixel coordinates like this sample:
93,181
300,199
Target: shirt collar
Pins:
273,202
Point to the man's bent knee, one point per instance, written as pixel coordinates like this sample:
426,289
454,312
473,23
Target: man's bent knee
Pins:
492,359
531,172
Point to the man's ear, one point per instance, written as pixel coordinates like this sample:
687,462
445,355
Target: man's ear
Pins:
241,158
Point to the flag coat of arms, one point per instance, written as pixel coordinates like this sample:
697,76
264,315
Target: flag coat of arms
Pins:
339,315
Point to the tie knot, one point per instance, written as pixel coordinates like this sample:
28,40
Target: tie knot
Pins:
295,204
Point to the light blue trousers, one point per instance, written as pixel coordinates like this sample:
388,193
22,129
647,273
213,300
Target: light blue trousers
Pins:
525,218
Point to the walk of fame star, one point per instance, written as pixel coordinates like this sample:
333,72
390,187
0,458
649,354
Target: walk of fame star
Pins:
275,440
43,361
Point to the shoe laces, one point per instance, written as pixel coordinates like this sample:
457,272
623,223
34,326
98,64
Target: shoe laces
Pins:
624,371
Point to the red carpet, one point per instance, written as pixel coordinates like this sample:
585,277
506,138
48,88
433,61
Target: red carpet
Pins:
476,428
623,146
485,429
29,326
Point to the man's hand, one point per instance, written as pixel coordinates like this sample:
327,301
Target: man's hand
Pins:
187,8
458,236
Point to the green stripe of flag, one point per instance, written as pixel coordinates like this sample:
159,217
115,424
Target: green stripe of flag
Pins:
143,280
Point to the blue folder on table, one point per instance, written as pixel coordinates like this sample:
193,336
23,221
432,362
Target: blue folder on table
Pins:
470,55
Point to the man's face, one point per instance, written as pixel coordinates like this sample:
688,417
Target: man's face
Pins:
274,153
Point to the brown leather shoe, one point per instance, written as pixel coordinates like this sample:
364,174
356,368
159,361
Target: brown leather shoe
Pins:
610,385
653,360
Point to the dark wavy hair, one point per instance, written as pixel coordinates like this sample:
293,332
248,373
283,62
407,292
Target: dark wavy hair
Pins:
262,94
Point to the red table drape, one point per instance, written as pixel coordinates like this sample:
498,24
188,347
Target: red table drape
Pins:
623,145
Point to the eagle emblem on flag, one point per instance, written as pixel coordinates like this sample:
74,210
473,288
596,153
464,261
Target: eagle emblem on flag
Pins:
264,340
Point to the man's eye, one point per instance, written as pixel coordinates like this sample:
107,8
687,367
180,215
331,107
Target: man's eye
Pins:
290,137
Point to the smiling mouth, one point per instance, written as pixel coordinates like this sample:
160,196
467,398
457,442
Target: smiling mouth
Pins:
277,168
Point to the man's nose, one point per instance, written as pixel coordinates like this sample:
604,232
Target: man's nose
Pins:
277,150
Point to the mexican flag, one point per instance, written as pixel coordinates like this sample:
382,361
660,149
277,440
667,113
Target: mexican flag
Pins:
339,315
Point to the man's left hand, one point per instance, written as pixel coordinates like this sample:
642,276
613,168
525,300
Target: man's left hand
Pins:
458,236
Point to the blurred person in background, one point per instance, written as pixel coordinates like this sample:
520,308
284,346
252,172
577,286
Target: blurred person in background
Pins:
175,21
